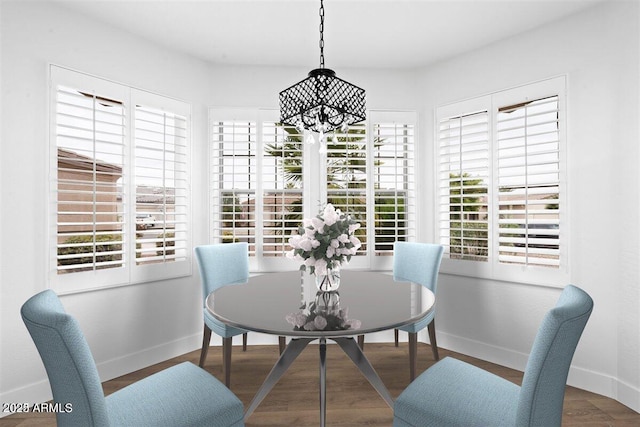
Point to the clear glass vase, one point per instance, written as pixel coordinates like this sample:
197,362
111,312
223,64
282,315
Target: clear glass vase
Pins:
329,282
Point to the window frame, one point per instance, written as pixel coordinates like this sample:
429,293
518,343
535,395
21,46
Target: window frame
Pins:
494,269
131,272
315,189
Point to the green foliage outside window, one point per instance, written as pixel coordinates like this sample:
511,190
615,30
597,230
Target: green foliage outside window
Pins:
469,235
347,174
164,245
109,246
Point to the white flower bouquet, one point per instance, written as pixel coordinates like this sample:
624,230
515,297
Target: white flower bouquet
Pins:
325,242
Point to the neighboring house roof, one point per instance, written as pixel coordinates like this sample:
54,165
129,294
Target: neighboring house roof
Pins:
72,160
147,194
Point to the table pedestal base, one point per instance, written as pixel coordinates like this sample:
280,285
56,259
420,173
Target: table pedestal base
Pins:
293,350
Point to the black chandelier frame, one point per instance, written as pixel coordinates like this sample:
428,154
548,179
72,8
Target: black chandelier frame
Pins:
322,102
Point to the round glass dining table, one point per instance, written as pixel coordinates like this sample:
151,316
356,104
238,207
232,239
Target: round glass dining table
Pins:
288,304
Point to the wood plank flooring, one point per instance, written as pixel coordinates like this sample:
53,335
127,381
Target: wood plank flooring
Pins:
351,401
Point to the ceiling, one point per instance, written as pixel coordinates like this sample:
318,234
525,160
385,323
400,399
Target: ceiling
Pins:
395,34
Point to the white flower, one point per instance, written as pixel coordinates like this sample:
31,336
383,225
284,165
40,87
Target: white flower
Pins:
335,243
305,244
320,323
294,241
330,252
355,241
330,215
309,233
318,224
353,227
310,262
310,326
354,324
297,319
343,238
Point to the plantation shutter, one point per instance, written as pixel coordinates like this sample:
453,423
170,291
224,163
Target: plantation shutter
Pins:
346,175
161,136
266,178
528,169
233,173
394,181
282,187
89,134
463,178
119,187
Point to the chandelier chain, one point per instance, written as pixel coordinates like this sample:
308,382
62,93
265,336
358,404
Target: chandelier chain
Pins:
321,34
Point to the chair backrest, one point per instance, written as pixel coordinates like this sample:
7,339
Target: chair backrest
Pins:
545,377
418,263
72,372
222,265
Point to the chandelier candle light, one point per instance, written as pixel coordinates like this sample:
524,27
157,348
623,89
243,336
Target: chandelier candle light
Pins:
323,244
322,102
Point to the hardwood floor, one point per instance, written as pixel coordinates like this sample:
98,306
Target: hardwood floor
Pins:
351,401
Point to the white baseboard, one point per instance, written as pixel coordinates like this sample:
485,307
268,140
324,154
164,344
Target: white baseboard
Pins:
33,393
628,395
114,368
584,379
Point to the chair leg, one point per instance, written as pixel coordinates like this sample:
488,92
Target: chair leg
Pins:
361,342
244,342
226,360
396,335
413,359
432,339
282,343
206,339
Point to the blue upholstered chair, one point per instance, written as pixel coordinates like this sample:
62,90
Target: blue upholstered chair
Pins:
418,263
221,265
454,393
182,395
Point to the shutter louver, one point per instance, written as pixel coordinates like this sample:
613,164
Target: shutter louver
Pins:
394,185
282,187
161,186
233,172
528,143
463,176
346,172
89,136
274,177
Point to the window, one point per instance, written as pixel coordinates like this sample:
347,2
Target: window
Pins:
394,183
264,179
233,173
345,172
161,182
119,199
501,165
463,185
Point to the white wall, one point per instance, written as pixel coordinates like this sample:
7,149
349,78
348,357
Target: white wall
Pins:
127,327
599,52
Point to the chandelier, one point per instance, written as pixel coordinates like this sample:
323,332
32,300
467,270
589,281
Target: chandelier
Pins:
322,102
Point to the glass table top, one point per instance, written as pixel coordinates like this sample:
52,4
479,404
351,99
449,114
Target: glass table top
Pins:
288,304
